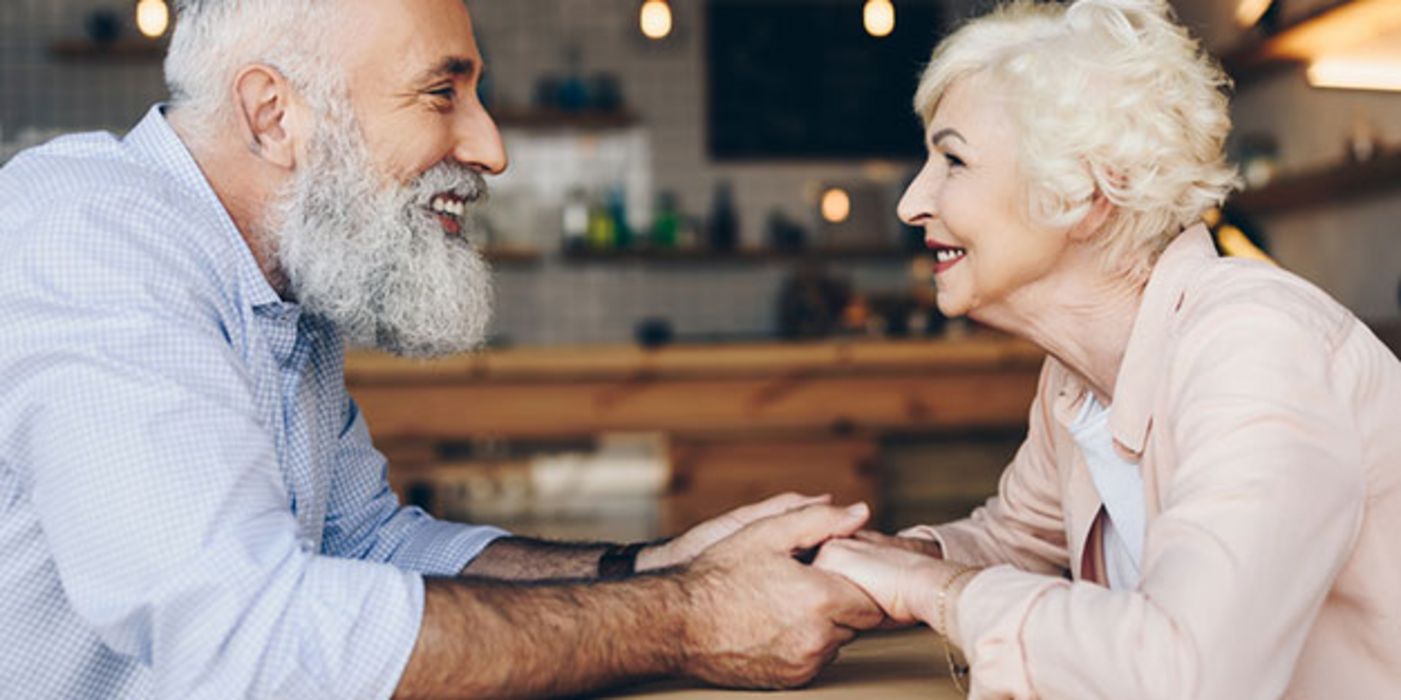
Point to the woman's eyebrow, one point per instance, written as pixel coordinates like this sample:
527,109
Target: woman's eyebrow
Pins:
941,134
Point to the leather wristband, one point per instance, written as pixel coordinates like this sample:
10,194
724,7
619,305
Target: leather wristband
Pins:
619,561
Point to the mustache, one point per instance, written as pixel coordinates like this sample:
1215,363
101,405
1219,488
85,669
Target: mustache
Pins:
452,178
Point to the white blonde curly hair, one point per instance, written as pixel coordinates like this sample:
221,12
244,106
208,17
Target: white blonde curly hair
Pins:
1108,96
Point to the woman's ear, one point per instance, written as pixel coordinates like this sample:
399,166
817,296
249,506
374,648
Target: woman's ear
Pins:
1092,223
267,111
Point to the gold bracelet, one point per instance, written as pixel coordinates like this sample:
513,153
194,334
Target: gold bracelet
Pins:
943,628
957,672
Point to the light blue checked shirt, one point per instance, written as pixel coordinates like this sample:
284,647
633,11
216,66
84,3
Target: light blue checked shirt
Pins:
190,506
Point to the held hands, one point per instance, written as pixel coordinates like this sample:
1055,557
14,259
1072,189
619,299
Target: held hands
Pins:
758,618
903,575
699,538
917,545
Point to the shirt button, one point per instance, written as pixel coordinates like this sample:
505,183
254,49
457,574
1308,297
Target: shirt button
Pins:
307,544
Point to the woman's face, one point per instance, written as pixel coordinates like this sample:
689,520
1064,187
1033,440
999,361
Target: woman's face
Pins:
968,200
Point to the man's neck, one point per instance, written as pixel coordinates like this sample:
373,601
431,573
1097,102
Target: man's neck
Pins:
240,181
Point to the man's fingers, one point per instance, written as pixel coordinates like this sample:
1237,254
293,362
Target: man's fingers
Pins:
810,526
778,505
853,607
841,636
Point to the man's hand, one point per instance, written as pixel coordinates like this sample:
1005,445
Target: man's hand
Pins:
700,538
758,618
904,582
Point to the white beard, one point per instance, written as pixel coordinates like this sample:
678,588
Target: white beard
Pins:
374,259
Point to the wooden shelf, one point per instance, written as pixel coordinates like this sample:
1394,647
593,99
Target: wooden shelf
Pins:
1321,186
505,255
556,120
121,50
1291,45
741,256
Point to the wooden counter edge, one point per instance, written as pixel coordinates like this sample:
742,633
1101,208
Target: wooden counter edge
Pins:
604,362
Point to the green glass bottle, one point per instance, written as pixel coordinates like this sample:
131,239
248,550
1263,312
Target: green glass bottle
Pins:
666,223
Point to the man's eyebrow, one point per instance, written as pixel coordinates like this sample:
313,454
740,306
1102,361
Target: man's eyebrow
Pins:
941,134
450,67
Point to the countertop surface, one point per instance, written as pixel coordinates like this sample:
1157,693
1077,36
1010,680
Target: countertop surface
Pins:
887,665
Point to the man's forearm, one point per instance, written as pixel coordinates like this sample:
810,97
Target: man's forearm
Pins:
482,638
525,559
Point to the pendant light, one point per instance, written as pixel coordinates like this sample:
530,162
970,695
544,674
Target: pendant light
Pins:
879,18
152,18
655,19
836,205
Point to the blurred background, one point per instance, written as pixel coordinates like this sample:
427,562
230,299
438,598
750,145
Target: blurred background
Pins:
704,296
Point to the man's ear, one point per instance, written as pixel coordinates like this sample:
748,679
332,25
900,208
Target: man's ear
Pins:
1092,223
267,113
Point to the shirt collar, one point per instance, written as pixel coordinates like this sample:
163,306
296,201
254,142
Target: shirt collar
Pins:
1140,373
156,141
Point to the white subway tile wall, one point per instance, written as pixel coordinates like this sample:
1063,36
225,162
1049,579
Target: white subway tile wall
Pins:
39,93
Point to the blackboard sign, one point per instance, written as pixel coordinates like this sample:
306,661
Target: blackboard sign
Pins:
802,79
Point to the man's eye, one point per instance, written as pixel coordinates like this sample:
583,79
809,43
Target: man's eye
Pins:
448,92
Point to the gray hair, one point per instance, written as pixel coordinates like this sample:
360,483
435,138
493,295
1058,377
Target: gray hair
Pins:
214,39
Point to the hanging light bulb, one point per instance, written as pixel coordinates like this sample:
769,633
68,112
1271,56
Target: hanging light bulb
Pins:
836,205
655,19
879,18
152,18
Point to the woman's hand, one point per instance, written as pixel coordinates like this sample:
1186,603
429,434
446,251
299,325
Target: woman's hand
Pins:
917,545
903,581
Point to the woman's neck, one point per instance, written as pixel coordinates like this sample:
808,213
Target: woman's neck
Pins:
1083,316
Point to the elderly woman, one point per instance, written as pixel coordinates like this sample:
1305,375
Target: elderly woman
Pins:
1208,501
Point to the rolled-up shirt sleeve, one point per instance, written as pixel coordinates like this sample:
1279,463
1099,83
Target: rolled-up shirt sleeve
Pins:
366,521
161,501
1260,515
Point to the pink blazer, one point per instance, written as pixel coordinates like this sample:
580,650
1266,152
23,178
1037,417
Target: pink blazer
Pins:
1266,420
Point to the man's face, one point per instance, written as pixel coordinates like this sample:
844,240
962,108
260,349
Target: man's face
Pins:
412,68
371,230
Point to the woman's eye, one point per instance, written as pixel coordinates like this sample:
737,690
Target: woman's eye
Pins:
953,160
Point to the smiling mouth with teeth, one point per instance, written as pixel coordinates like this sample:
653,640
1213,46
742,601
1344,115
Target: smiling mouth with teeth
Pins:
449,208
946,256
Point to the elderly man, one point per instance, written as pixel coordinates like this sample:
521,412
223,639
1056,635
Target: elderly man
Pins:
190,505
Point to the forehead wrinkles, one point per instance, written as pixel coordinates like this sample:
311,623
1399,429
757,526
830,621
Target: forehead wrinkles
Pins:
400,40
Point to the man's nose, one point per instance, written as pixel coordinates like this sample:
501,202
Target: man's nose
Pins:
479,145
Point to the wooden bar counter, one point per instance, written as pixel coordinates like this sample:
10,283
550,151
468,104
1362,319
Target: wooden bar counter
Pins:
841,387
742,421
